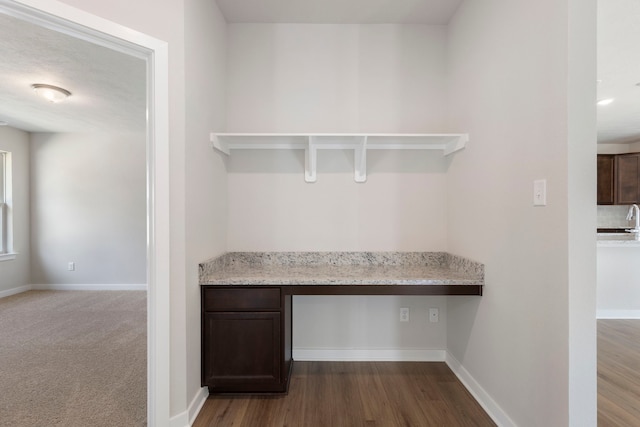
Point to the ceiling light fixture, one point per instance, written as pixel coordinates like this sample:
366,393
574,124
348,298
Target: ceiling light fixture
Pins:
605,101
3,123
51,93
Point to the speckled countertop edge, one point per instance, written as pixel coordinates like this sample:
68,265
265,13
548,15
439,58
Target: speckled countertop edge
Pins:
341,268
619,243
617,240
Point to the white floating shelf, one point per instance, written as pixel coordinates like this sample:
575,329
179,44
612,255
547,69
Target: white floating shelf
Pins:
359,142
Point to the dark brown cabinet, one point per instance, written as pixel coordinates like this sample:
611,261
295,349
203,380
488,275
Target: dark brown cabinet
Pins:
606,188
246,339
618,179
627,179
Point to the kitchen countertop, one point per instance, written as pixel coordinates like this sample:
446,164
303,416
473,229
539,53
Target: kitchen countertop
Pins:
341,268
617,240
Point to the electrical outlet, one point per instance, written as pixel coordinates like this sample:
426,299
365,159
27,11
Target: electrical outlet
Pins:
434,315
71,266
404,314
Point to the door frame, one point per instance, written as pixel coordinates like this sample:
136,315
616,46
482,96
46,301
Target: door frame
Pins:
77,23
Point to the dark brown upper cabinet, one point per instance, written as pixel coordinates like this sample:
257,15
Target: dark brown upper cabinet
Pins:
618,179
606,187
627,179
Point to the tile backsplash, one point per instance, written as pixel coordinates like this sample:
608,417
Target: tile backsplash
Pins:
613,216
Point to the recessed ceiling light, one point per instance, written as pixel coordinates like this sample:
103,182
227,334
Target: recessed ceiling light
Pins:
606,101
51,93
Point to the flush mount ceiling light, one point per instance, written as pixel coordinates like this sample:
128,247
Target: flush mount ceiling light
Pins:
51,93
606,101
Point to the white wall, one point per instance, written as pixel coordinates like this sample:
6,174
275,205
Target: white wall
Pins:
206,177
340,78
368,328
88,206
335,78
401,207
15,273
530,340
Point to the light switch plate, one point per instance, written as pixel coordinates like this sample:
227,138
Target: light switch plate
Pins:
540,192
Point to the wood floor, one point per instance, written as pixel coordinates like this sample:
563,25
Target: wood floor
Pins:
618,373
354,394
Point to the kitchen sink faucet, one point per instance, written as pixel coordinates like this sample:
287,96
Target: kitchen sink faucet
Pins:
634,212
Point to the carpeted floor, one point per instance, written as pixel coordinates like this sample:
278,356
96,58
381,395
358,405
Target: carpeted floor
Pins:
72,358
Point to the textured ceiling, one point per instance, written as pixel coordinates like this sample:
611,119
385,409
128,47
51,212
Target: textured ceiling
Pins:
619,70
340,11
108,88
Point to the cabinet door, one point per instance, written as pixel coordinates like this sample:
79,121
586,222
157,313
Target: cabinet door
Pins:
242,351
605,179
627,179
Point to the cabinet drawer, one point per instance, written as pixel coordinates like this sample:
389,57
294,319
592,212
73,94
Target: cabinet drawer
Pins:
240,299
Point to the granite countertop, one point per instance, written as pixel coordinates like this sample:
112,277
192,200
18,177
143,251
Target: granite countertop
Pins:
341,268
617,240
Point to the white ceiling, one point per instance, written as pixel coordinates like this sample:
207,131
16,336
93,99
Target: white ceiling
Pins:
435,12
619,70
108,87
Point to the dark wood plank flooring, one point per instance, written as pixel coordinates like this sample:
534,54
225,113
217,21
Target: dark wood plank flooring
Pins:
618,373
355,394
418,394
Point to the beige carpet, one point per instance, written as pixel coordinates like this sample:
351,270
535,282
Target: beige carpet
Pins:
72,358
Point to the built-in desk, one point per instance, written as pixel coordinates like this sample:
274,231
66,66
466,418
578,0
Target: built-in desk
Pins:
247,303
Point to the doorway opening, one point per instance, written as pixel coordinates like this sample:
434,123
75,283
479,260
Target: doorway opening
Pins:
74,22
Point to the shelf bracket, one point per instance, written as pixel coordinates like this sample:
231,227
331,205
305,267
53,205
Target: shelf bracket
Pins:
310,160
456,144
217,144
360,160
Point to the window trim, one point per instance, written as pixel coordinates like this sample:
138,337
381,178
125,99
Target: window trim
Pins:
6,224
8,256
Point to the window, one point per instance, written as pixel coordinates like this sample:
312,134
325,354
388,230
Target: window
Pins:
3,214
5,205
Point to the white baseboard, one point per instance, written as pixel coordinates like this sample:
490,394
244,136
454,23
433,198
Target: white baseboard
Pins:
369,354
188,417
180,420
90,287
617,314
15,291
482,397
197,403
